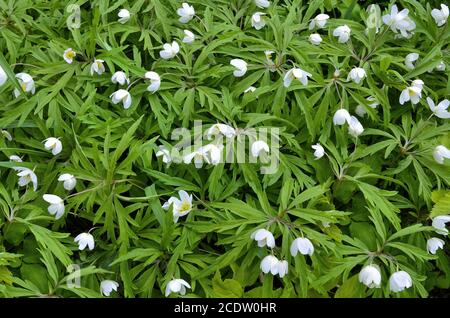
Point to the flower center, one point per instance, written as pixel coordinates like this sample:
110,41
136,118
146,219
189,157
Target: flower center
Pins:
185,206
24,87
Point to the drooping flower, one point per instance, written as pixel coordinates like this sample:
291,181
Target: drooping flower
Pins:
440,67
6,134
361,111
434,244
319,21
56,206
15,158
302,245
69,181
342,33
177,286
315,39
169,50
440,16
441,109
296,73
186,13
123,96
270,264
26,176
259,147
124,16
282,268
399,281
107,286
341,117
189,37
439,223
263,237
409,59
69,55
53,144
26,83
241,67
223,129
155,81
319,152
262,3
180,206
399,21
441,152
370,276
354,127
97,67
3,76
120,77
211,154
250,89
83,240
164,152
257,20
357,74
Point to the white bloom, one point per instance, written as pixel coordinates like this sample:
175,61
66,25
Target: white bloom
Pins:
3,76
370,276
342,33
439,223
361,111
282,268
53,144
357,74
259,146
69,55
169,50
440,16
189,37
83,240
6,134
302,245
262,3
409,59
180,206
250,89
441,109
319,21
258,21
26,83
319,152
211,154
315,39
186,13
399,21
268,54
15,158
441,152
124,16
56,206
69,181
354,127
120,77
433,244
26,176
399,281
270,264
107,286
155,81
412,93
296,73
263,237
177,286
440,67
417,83
164,152
341,117
223,129
97,67
123,96
241,67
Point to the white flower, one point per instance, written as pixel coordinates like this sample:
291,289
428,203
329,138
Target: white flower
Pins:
268,54
177,286
433,244
440,67
302,245
342,33
241,67
319,152
257,20
441,152
399,21
124,16
258,147
412,93
361,111
263,237
169,50
282,268
186,13
164,152
120,77
270,264
315,39
97,67
15,158
211,154
189,37
262,3
53,144
3,76
370,276
357,74
399,281
6,134
441,109
83,240
417,83
69,181
155,81
439,223
56,206
223,129
26,83
69,55
296,73
440,16
26,176
123,96
409,59
354,127
180,206
341,117
319,21
250,89
107,286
